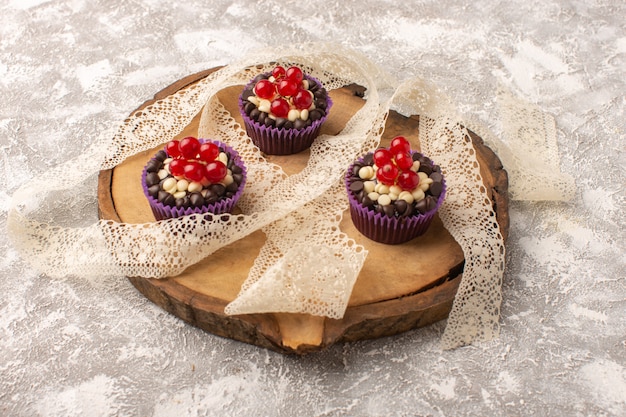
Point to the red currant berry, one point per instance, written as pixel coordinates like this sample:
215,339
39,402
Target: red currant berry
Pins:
408,180
189,147
172,149
295,73
194,171
287,88
215,171
265,89
387,174
177,167
399,144
303,99
404,161
209,151
278,72
382,157
280,107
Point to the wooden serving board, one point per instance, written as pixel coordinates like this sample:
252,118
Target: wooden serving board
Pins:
400,287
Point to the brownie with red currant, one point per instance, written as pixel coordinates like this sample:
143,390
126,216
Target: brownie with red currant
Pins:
394,192
283,110
193,176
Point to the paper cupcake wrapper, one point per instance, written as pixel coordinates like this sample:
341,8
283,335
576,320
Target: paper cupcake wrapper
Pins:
280,141
162,211
389,230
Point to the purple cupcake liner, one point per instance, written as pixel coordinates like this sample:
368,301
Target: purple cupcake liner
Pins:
162,211
280,141
389,230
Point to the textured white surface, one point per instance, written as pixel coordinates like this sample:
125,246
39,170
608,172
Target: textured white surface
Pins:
75,347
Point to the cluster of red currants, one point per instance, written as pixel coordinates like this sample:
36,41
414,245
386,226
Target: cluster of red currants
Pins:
284,91
394,165
195,161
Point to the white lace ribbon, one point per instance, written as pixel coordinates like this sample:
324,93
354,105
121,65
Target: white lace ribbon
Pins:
284,276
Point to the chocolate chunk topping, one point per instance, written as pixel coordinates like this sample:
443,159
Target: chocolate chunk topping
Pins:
367,202
436,176
166,198
436,188
249,107
162,195
218,189
431,202
299,124
231,188
368,159
421,206
320,104
211,197
161,155
247,93
154,165
154,190
261,77
410,209
280,122
356,186
401,206
316,114
152,178
389,210
196,199
426,167
355,169
269,122
237,177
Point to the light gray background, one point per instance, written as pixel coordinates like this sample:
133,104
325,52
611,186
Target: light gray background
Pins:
72,347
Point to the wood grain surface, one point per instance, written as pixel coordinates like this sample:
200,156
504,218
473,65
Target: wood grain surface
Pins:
414,289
